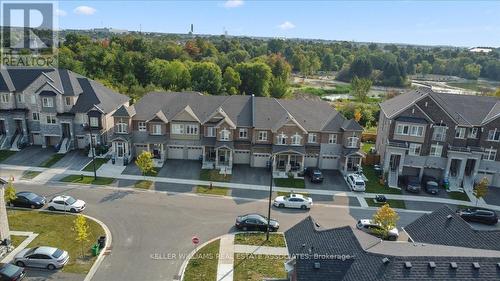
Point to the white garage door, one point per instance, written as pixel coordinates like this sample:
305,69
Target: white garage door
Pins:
329,162
311,161
37,139
81,142
139,148
175,152
194,152
260,159
241,157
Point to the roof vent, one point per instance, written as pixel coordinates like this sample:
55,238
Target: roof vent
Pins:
476,265
432,265
453,265
449,217
317,265
408,264
303,245
386,260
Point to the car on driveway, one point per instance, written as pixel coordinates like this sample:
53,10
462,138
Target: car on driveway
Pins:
479,215
42,257
67,204
10,272
412,184
27,199
370,227
356,182
314,174
255,222
432,187
293,200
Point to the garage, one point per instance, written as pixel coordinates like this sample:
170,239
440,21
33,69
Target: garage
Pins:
81,142
194,152
175,152
432,172
411,171
329,162
241,157
311,160
139,148
260,159
37,139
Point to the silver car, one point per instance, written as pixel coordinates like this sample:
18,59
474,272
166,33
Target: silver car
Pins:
42,257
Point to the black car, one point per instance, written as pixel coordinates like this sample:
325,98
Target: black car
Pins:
10,272
314,174
479,215
412,184
255,222
27,199
431,184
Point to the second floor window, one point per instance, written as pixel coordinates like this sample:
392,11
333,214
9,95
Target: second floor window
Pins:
243,133
178,129
262,136
68,101
224,135
312,138
490,154
4,98
210,132
36,116
20,98
47,102
141,126
51,119
192,129
94,122
439,133
156,129
410,130
121,128
296,139
473,133
494,135
282,138
460,133
415,149
436,150
352,142
332,138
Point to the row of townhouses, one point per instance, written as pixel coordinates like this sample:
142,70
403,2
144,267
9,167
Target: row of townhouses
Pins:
61,109
447,136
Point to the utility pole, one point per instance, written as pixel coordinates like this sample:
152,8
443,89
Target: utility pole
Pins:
92,148
270,195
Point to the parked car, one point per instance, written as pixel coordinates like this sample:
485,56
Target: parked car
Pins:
42,257
479,215
66,203
27,199
432,187
356,182
412,184
293,201
10,272
255,222
370,227
315,175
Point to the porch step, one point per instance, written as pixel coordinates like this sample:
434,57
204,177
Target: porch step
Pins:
14,147
225,171
3,140
62,149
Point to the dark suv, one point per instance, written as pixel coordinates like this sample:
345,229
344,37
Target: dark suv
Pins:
431,184
412,184
479,215
315,175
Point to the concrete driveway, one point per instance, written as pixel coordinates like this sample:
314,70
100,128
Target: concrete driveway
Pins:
333,180
492,197
73,160
250,175
30,156
182,169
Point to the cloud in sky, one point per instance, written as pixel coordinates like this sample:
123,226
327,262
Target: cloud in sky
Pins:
61,13
233,3
84,10
286,25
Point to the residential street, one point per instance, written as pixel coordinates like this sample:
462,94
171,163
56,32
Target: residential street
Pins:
146,225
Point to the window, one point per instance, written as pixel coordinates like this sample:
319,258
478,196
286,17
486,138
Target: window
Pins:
94,121
296,139
47,102
33,99
224,135
282,138
36,116
192,129
490,154
121,127
402,129
68,101
410,130
416,131
141,126
494,135
436,150
156,129
243,133
178,129
20,98
4,98
415,149
51,119
332,138
460,133
439,133
352,142
312,138
473,133
262,136
210,132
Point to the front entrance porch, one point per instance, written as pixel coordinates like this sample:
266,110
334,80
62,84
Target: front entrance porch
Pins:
220,158
287,163
461,173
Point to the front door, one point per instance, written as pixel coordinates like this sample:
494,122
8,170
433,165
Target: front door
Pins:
19,126
120,149
65,130
469,167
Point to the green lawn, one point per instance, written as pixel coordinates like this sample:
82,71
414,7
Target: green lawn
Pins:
98,163
16,240
259,239
393,203
143,184
29,175
283,193
248,267
457,195
4,154
290,182
55,230
216,190
373,185
366,147
203,266
213,175
88,180
52,160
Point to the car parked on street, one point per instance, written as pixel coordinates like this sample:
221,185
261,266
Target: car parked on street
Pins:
293,200
42,257
479,215
370,227
412,184
67,204
27,199
10,272
255,222
314,174
356,182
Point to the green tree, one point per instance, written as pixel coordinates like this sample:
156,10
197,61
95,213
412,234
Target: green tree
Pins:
360,88
387,218
10,191
361,67
232,81
145,163
82,231
472,71
279,88
255,78
171,75
481,189
206,77
424,68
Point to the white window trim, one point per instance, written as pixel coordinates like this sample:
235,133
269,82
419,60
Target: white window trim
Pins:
312,138
436,147
352,142
5,97
191,129
66,101
177,129
262,136
492,134
332,139
281,139
296,139
52,117
94,124
47,102
141,126
224,135
156,129
460,132
443,133
20,98
211,132
37,116
243,133
413,147
490,154
473,133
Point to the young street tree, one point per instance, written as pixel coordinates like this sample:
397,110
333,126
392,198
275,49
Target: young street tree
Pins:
10,192
360,88
145,163
481,189
387,218
82,231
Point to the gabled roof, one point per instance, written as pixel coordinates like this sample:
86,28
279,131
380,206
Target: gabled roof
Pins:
159,115
5,81
124,111
351,125
96,95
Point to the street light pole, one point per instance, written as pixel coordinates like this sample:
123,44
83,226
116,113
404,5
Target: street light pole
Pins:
270,195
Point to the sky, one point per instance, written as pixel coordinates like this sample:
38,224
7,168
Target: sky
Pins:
457,23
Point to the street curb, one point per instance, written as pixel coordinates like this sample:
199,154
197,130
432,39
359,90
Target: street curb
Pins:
188,258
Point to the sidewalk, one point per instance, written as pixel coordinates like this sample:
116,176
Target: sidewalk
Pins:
226,258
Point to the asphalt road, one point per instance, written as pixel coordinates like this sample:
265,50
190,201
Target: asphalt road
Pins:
156,224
